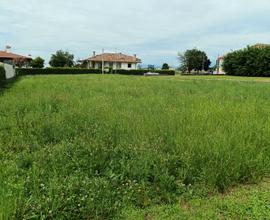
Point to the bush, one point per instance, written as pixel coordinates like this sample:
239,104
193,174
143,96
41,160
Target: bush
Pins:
55,71
2,75
250,61
143,71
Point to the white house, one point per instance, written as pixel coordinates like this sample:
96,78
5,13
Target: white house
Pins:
220,70
113,60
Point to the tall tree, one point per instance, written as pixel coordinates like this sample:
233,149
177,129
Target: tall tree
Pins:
194,60
165,66
62,59
38,62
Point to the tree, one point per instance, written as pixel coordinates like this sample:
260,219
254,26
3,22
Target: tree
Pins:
165,66
20,62
194,60
62,59
251,61
38,62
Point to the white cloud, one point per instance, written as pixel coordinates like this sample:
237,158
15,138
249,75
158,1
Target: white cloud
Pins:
154,29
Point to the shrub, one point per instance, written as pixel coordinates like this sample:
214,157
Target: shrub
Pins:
251,61
2,75
143,71
55,71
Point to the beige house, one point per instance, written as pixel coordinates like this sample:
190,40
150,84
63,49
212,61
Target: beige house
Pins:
113,60
220,70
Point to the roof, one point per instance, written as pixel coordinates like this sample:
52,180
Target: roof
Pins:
115,57
261,45
8,55
222,57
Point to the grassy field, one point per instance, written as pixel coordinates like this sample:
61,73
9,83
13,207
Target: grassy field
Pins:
103,147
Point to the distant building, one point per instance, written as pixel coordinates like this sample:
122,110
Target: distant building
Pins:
261,45
11,58
219,70
113,60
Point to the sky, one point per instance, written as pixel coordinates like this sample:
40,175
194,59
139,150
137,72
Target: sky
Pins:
155,30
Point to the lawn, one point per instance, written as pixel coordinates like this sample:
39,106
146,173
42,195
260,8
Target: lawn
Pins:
103,147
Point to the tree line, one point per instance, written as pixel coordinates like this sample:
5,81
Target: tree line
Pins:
190,60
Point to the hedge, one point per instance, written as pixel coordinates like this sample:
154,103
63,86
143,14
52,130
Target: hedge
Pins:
143,71
55,71
251,61
2,75
50,71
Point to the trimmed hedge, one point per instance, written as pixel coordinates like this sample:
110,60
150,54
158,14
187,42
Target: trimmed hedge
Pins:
55,71
251,61
50,71
2,75
141,72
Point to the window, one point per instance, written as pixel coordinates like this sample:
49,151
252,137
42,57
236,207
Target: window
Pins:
118,65
129,65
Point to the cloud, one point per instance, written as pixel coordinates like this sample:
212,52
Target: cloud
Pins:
154,29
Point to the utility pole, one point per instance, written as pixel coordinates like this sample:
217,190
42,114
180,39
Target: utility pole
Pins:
202,63
102,61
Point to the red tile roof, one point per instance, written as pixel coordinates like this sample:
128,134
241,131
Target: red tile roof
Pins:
114,57
12,56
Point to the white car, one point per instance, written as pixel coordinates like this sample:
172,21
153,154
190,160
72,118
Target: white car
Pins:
151,74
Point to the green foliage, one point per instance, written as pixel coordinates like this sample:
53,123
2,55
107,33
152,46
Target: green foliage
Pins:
38,62
55,71
143,71
245,202
165,66
62,59
2,75
20,62
194,60
250,61
85,147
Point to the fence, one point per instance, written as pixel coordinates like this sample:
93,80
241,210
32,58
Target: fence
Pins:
10,70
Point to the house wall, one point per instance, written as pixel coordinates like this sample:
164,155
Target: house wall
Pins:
114,65
10,70
125,66
220,70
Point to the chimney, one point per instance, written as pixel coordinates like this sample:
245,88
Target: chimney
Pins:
8,48
135,55
94,53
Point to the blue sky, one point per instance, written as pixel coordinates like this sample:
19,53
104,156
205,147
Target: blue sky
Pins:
155,30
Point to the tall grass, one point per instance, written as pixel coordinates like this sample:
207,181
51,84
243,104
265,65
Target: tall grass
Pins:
87,146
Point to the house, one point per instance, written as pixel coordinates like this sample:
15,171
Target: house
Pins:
260,45
112,60
14,59
219,70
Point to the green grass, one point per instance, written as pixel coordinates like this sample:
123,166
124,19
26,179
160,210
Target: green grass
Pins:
245,202
91,147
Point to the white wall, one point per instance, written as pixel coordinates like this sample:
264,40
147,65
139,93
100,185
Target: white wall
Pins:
220,70
124,66
10,70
